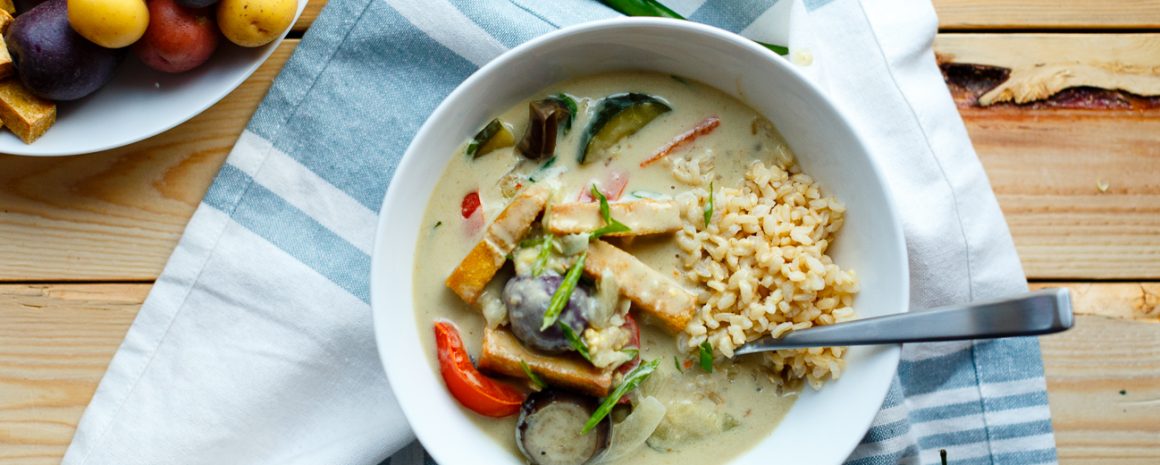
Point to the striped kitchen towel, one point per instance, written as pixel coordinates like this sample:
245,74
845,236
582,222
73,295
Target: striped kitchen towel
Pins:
256,347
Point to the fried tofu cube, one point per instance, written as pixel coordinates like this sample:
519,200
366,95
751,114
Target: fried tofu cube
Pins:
642,217
502,354
649,290
8,7
26,115
485,259
7,67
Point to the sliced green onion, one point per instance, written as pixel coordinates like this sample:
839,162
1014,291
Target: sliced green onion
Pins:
647,195
564,292
677,363
632,353
545,246
706,356
532,376
575,341
611,226
709,206
655,8
631,381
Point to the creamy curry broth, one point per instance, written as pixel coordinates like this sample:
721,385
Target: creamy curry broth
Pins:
739,390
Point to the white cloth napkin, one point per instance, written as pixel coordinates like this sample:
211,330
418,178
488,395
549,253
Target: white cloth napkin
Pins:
256,346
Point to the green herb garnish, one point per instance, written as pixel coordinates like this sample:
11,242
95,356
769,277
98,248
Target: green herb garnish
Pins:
575,341
709,206
437,225
545,246
706,356
677,363
564,292
631,381
655,8
532,376
611,226
646,195
569,103
632,353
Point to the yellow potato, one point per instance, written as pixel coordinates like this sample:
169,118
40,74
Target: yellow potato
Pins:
253,23
109,23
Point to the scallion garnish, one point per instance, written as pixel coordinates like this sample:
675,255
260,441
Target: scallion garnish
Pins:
655,8
677,363
631,353
545,246
709,206
631,381
564,292
575,341
532,375
611,226
706,356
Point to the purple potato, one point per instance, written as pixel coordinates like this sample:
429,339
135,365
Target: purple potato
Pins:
53,61
548,431
526,299
196,3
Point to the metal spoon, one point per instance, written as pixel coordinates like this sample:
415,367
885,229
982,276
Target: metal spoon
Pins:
1041,312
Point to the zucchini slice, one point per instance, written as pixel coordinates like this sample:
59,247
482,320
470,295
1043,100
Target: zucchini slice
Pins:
618,116
495,135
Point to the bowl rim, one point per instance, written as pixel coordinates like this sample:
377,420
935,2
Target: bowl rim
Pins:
379,262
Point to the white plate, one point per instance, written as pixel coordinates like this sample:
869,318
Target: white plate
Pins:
140,103
823,426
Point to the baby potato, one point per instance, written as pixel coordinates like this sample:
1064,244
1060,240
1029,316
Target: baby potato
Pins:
109,23
178,39
253,23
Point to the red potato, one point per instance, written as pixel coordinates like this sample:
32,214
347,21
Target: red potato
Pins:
178,38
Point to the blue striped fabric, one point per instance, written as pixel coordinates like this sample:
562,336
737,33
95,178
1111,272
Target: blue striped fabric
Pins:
370,71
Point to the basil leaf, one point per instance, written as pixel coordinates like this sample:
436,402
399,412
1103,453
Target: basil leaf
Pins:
564,292
631,381
706,356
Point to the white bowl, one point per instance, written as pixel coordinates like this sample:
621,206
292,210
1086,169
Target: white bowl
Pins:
823,426
140,103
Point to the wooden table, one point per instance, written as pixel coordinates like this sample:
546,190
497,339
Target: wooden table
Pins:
82,238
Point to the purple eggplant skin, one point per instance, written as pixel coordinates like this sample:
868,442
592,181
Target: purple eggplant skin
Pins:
196,3
526,299
53,61
548,430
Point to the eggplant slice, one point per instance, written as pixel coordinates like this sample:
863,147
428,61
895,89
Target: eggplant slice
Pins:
548,431
495,135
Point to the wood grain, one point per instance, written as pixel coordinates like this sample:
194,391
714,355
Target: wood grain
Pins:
55,343
1046,14
117,215
309,14
56,340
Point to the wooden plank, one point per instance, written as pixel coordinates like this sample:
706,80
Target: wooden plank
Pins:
309,14
1046,14
117,215
56,340
55,343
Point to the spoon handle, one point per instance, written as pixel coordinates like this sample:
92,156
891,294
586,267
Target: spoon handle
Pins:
1041,312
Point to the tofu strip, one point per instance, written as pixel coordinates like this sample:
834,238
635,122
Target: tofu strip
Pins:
485,259
502,354
648,289
645,216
